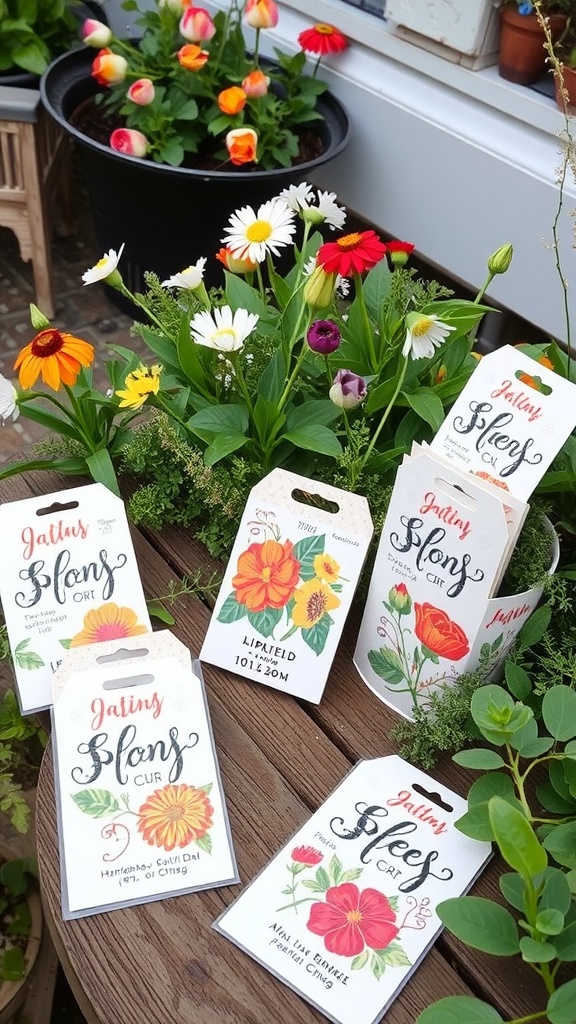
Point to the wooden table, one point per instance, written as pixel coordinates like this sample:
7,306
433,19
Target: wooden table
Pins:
280,758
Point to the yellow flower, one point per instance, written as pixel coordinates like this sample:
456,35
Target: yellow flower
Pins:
108,622
312,601
139,385
326,568
175,816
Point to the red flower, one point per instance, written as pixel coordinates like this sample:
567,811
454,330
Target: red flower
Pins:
351,254
307,855
399,252
436,630
322,38
350,919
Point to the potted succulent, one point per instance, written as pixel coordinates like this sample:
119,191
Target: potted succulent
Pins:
522,57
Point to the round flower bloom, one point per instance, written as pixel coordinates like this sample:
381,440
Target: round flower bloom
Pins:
348,389
267,575
139,385
223,330
399,252
323,337
192,57
399,599
142,92
196,25
256,84
326,568
307,855
95,33
424,333
129,141
175,816
351,919
109,68
190,278
436,630
253,235
313,600
261,13
242,145
322,38
297,197
105,266
327,211
233,263
319,288
231,101
351,254
57,356
8,400
108,622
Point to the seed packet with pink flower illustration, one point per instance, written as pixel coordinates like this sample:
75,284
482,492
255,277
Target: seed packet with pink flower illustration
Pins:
345,912
69,577
289,583
141,809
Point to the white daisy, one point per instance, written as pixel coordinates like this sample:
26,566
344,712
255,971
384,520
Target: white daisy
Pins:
310,266
253,235
189,278
224,331
424,333
297,197
8,400
333,214
106,266
342,286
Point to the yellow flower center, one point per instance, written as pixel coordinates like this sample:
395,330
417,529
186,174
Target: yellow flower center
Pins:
224,333
175,813
259,231
316,606
101,263
266,574
353,917
349,241
324,30
422,327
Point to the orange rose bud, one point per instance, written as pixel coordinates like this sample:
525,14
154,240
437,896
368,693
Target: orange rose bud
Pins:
241,144
108,68
232,100
261,13
233,263
439,633
192,57
256,84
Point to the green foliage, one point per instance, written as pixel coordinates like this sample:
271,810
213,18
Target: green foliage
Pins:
22,741
33,32
16,877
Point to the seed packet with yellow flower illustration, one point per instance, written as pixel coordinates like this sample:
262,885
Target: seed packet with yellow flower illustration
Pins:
69,577
345,912
141,809
289,583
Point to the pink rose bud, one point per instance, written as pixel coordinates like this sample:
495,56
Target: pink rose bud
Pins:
348,389
261,13
129,141
95,33
196,25
141,92
256,84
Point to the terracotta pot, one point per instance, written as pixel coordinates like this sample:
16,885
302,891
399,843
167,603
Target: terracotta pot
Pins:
13,993
522,57
569,76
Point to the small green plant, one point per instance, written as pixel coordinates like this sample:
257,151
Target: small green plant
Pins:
15,918
33,32
22,741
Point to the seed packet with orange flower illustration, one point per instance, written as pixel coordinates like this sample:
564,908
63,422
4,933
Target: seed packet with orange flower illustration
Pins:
289,583
69,577
346,910
141,809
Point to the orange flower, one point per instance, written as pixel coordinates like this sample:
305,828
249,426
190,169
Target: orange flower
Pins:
232,101
58,357
256,84
108,622
109,68
233,263
261,13
241,144
313,601
192,57
436,630
266,577
175,816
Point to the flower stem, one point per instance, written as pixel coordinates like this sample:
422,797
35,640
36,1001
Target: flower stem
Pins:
378,430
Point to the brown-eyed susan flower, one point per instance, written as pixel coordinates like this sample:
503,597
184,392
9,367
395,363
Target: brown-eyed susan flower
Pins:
267,574
108,622
313,601
175,816
351,254
322,38
326,568
54,354
139,385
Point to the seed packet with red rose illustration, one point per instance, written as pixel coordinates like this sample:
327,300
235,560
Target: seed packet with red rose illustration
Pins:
69,577
346,910
141,810
289,583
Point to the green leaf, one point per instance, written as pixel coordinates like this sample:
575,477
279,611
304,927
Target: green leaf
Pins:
495,784
317,635
480,923
266,621
310,413
305,551
323,879
272,380
566,943
394,956
351,875
188,357
479,757
559,712
205,843
335,869
12,966
102,470
315,438
534,952
217,419
360,961
376,288
96,802
387,665
222,446
517,680
556,892
378,966
516,839
550,922
460,1010
26,659
561,843
512,888
561,1007
231,610
158,611
534,628
427,406
475,823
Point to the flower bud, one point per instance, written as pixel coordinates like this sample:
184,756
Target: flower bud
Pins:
37,318
233,263
231,101
323,337
256,84
109,68
142,92
196,25
500,260
319,288
129,141
95,33
242,144
399,599
192,57
175,6
348,390
399,252
261,13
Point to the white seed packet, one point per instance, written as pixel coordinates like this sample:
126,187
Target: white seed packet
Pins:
346,910
69,577
289,584
141,809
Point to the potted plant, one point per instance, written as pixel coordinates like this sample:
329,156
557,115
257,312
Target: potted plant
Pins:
32,33
522,56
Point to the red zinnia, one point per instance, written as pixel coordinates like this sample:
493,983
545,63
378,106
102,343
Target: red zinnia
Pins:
307,855
351,254
322,38
399,252
350,919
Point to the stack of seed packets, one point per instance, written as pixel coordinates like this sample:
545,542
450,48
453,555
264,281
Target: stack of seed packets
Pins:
289,583
346,911
69,577
141,811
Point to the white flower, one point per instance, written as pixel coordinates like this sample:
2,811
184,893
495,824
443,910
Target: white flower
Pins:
342,286
223,331
424,333
8,400
253,235
106,266
189,278
297,197
309,267
333,215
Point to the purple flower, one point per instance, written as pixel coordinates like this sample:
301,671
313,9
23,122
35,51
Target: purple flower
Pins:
323,337
348,389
